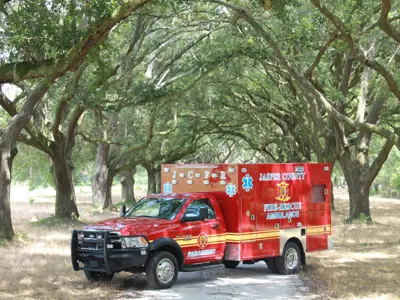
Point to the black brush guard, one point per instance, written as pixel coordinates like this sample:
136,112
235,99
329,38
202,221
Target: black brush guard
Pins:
101,251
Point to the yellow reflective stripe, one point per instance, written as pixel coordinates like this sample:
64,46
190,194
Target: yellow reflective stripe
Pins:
319,233
268,234
208,244
318,229
195,237
238,237
211,239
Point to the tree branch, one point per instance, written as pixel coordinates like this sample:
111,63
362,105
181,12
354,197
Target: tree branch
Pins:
57,67
321,53
144,145
379,161
384,22
70,93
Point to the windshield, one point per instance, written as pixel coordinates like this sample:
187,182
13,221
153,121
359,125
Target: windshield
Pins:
160,208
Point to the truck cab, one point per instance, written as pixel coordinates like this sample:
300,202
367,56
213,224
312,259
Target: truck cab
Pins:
208,215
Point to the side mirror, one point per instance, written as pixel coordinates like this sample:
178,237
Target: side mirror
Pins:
123,210
203,213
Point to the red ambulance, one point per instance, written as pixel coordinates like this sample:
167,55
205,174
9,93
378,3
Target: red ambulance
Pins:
211,214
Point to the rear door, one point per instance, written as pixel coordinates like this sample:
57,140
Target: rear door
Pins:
202,240
319,208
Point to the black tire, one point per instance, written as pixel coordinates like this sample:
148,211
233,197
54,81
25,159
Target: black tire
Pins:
93,276
290,261
231,264
270,261
162,264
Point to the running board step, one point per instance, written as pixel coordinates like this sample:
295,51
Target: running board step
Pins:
190,268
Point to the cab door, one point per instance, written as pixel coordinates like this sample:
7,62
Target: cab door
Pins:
202,241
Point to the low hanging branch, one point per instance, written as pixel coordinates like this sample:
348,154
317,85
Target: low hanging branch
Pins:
58,66
307,88
384,22
355,53
144,145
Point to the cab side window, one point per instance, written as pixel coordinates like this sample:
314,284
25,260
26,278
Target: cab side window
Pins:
193,209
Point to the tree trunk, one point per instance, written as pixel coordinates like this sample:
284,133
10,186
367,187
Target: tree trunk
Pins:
332,198
158,179
359,199
100,178
7,153
151,180
65,189
356,173
108,195
127,185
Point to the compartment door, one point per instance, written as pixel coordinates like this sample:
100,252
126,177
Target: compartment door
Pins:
318,216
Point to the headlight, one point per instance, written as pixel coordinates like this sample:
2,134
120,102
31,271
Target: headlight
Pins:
134,242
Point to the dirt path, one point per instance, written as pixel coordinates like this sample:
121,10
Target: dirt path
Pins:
344,195
248,282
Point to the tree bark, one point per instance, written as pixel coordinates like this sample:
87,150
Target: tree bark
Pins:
151,180
108,199
158,179
359,199
65,188
99,181
127,185
356,172
7,152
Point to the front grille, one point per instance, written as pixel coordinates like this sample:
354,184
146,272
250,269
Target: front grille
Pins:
94,240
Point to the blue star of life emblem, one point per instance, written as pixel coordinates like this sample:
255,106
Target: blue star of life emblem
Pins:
247,182
230,190
167,188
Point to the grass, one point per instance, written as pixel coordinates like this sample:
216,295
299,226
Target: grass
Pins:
53,222
365,262
37,263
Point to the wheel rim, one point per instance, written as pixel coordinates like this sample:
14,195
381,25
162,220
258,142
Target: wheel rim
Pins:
291,259
165,270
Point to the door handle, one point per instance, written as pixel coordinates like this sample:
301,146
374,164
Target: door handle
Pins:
215,226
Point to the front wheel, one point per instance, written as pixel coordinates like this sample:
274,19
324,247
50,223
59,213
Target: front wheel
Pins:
93,276
290,261
162,270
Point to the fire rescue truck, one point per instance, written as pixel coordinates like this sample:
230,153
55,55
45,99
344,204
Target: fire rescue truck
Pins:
211,214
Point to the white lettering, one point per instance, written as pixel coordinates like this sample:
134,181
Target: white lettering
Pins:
190,174
223,176
282,176
206,174
201,252
174,174
283,210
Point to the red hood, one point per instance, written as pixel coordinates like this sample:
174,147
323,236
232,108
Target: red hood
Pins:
134,226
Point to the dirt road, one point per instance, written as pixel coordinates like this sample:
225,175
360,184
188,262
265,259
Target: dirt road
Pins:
250,282
342,193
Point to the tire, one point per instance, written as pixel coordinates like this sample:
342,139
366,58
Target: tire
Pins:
162,270
93,276
231,264
270,261
290,261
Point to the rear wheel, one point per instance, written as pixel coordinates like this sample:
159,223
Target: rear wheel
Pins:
271,265
162,270
93,276
290,261
231,264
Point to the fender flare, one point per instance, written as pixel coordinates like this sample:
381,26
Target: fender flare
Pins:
169,245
